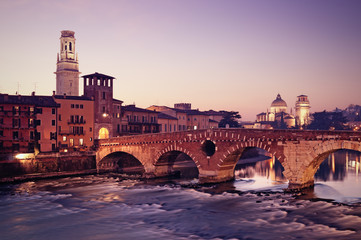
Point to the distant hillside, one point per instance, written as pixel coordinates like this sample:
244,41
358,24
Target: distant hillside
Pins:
352,112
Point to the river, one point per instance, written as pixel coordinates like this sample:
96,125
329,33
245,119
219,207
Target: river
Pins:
253,206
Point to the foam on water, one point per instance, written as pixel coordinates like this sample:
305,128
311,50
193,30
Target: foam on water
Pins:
102,207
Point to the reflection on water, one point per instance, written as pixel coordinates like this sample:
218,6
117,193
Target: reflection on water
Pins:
259,173
338,178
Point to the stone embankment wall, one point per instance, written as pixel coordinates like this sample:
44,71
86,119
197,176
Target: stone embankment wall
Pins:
47,165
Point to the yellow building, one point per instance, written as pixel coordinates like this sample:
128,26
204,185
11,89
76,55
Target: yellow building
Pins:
75,122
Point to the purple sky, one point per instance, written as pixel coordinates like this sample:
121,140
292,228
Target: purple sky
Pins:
221,55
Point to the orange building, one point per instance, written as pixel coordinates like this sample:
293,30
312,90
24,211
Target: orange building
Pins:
27,124
75,122
167,123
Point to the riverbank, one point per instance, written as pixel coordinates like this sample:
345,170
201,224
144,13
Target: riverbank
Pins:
49,165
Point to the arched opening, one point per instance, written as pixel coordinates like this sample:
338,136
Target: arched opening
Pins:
121,162
176,164
258,169
70,47
209,148
103,133
338,175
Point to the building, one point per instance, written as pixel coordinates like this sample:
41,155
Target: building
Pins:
67,67
278,117
75,122
302,111
27,124
107,111
138,120
188,118
167,123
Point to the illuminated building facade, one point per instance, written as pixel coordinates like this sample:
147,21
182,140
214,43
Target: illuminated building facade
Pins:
302,110
67,67
75,122
278,117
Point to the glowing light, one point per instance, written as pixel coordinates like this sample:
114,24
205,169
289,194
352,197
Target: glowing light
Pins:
24,155
105,114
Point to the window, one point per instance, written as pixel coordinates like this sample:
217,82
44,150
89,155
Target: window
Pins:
37,122
31,135
53,148
90,129
64,138
59,129
1,121
52,122
98,82
53,111
15,135
77,106
59,117
70,47
81,106
52,136
104,95
1,108
2,133
71,142
103,109
91,139
39,110
81,141
165,127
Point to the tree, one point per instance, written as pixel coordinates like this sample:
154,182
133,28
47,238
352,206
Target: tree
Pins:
229,119
328,121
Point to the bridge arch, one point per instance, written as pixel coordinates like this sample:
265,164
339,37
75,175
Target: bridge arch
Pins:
235,152
319,153
121,162
170,162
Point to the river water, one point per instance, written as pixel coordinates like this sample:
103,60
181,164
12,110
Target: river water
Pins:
254,206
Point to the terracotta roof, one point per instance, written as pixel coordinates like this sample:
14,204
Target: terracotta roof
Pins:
40,101
166,116
98,75
133,108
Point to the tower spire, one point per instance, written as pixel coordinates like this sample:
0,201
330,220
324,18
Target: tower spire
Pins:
67,67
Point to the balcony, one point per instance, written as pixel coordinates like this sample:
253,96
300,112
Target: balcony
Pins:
64,132
76,122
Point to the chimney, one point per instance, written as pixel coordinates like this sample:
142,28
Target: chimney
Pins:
64,95
53,93
33,94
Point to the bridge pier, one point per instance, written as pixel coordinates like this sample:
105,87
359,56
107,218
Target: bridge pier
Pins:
215,176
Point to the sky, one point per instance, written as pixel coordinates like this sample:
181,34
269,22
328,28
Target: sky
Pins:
216,54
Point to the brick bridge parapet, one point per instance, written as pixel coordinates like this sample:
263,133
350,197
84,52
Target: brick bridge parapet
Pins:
299,151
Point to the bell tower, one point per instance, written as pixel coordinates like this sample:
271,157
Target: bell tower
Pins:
302,111
67,67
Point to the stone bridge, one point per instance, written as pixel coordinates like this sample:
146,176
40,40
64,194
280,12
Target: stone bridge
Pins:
216,152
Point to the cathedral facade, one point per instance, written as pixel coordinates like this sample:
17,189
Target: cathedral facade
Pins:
278,117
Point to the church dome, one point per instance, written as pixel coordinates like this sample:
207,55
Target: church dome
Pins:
279,102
